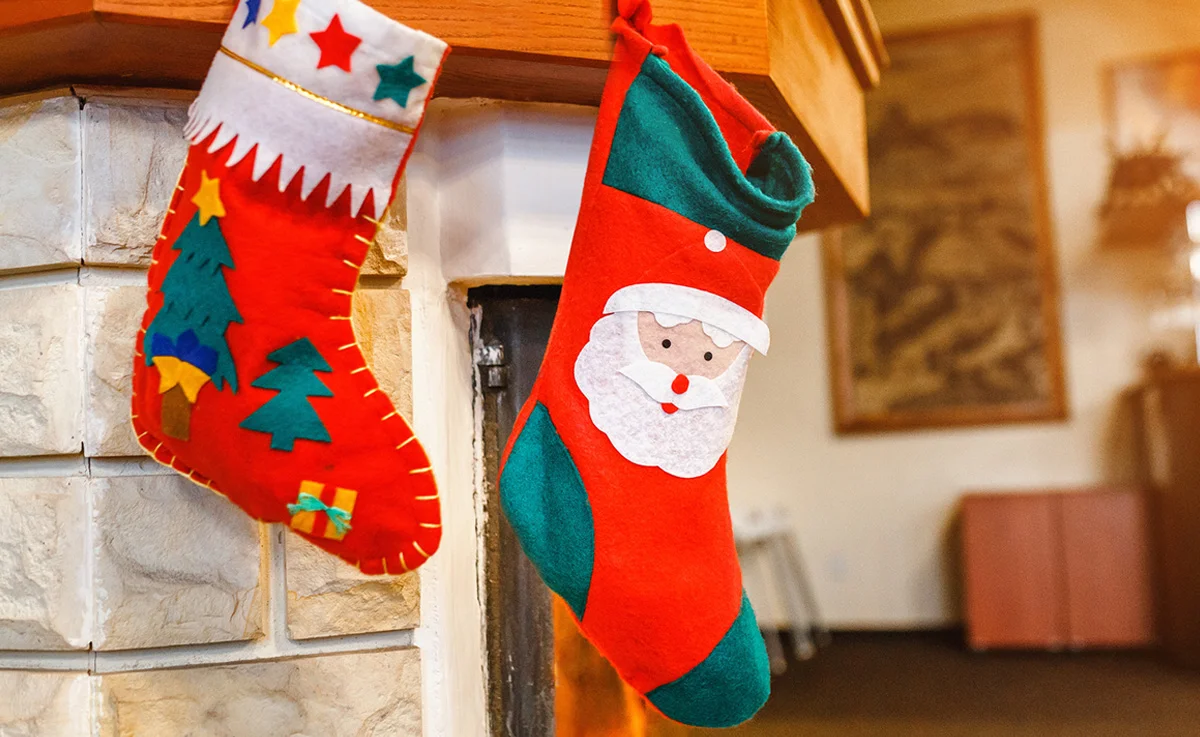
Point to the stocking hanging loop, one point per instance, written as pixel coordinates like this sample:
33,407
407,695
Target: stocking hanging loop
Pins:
637,12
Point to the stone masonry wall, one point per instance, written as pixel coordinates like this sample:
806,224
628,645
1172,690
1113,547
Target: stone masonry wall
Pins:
133,602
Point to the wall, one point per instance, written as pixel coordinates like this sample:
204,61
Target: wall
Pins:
874,514
112,568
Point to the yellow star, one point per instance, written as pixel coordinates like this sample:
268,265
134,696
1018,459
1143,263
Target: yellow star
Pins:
208,199
282,19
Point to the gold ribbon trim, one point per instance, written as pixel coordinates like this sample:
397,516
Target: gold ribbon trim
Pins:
315,97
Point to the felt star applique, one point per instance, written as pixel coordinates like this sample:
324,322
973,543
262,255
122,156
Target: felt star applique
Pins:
208,199
397,81
281,21
252,8
336,45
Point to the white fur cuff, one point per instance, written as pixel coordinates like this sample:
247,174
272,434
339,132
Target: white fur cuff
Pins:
332,86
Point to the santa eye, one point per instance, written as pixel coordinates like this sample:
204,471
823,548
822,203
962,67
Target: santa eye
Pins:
708,356
666,344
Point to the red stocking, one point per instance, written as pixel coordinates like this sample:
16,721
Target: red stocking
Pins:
615,479
248,378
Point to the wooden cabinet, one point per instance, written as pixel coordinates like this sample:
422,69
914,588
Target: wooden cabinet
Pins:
1054,570
1107,562
1012,572
1169,430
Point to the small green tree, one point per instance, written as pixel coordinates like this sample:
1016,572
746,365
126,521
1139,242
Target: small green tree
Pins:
290,415
196,303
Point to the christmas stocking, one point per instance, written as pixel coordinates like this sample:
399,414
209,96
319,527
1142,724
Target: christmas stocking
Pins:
247,375
615,477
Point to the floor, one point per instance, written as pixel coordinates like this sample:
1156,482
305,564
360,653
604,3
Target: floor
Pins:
893,685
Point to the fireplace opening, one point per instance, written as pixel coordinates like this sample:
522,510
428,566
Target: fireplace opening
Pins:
544,678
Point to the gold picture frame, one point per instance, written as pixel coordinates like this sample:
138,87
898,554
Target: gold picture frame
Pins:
942,307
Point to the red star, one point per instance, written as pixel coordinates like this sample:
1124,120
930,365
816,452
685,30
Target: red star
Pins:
336,45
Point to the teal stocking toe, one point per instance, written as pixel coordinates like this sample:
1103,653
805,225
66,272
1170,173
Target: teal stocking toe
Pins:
729,687
545,502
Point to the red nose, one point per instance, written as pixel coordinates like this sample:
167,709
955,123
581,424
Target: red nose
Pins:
680,385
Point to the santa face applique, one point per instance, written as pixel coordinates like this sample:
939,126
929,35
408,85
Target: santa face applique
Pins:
665,388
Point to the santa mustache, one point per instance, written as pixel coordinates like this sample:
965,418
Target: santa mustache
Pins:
669,388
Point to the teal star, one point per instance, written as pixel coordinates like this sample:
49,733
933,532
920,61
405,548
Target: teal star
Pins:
397,81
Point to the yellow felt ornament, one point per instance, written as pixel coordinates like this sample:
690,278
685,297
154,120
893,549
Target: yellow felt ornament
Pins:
173,372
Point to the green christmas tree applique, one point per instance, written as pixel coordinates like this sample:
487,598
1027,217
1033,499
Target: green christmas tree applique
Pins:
290,415
188,332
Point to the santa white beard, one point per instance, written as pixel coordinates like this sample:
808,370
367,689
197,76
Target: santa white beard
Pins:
686,443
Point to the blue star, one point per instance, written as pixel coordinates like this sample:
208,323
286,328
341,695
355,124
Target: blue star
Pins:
252,7
397,81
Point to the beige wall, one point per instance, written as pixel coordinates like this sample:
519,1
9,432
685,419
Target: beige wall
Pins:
873,513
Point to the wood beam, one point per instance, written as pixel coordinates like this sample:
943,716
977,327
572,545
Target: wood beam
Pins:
805,63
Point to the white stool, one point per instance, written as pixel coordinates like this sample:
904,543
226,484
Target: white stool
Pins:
767,545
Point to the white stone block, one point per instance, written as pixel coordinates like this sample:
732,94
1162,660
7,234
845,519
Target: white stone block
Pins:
41,371
389,255
40,209
176,564
382,322
134,152
44,591
327,596
45,704
114,315
374,694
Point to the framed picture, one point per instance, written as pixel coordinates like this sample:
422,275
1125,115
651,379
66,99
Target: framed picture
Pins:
943,305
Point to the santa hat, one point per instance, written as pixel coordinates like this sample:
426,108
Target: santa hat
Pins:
718,282
669,150
681,301
711,278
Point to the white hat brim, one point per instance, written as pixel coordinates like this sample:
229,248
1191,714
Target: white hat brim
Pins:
676,299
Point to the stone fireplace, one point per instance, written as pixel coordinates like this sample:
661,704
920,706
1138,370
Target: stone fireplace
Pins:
134,602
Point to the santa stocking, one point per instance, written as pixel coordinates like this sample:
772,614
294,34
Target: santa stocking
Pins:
615,478
247,376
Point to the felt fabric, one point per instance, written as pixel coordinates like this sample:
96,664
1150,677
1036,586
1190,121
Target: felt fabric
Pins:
176,373
556,528
323,510
337,46
276,89
707,696
689,192
668,149
290,415
248,378
197,305
720,313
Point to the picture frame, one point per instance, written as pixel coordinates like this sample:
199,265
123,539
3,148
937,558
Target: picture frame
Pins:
942,308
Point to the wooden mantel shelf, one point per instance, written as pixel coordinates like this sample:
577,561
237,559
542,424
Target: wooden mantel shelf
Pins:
805,63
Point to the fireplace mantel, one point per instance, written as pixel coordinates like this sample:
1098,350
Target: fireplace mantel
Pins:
805,63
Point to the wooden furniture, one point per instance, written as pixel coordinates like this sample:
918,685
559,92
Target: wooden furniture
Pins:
1168,426
1053,570
805,63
